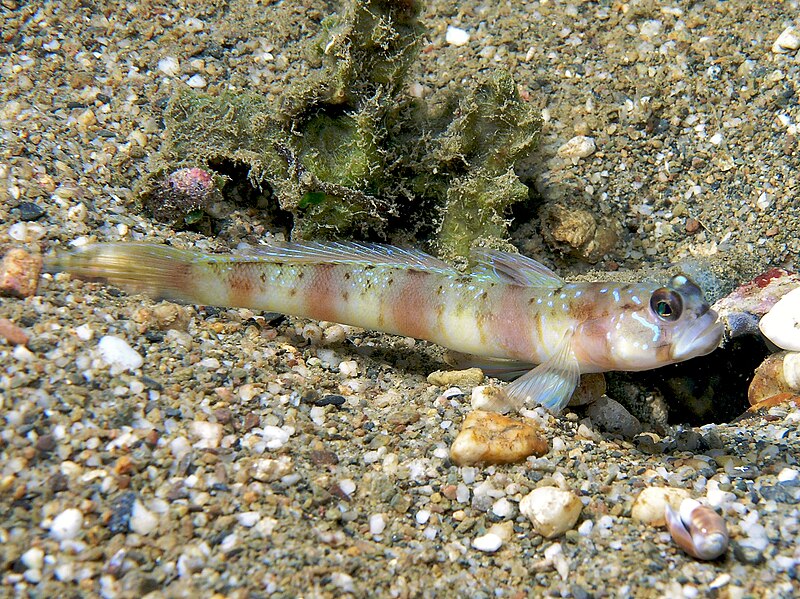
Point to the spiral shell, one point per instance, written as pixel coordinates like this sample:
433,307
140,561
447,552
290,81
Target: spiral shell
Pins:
697,529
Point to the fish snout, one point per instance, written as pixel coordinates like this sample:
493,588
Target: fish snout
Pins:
701,337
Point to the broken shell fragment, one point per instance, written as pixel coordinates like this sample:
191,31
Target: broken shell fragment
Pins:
781,324
778,373
697,529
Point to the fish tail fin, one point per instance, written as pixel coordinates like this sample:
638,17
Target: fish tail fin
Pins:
160,271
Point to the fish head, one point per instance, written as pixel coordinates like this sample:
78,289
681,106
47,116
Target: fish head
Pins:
648,327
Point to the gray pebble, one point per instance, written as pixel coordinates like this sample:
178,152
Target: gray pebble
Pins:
612,417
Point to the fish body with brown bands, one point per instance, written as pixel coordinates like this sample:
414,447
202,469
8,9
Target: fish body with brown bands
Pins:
697,529
511,314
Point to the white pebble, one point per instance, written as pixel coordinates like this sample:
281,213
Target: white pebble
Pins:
196,81
555,554
456,36
502,508
781,324
116,352
228,543
34,576
33,558
377,524
334,334
275,436
552,512
317,415
248,519
23,354
348,368
490,399
84,332
208,434
720,581
787,474
169,66
66,525
468,474
347,486
462,493
64,572
265,526
585,529
791,370
649,506
18,232
452,392
194,25
578,147
344,582
489,542
423,516
716,497
650,29
788,41
142,521
179,447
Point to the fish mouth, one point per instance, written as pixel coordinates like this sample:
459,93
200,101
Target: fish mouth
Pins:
702,337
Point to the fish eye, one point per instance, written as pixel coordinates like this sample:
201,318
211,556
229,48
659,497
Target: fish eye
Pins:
666,304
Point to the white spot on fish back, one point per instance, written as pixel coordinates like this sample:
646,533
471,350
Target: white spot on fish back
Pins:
636,300
563,296
578,293
604,290
616,295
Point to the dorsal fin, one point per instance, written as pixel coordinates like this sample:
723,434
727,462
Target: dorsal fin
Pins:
340,252
515,269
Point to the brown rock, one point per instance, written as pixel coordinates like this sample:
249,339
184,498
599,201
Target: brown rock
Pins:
468,377
576,231
12,333
496,439
19,273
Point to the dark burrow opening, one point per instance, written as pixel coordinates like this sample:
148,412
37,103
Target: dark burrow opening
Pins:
705,390
239,189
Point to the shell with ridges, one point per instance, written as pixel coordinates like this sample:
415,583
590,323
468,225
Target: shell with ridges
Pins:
697,529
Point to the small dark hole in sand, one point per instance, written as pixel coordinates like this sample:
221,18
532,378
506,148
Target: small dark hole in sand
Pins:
705,390
240,190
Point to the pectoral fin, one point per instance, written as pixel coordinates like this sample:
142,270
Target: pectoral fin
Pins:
551,383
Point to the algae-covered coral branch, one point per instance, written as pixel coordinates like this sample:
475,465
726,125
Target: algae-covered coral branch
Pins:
346,152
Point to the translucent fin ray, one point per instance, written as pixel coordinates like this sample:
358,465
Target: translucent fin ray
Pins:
339,252
551,383
515,269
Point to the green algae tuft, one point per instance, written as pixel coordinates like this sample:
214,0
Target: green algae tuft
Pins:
347,153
